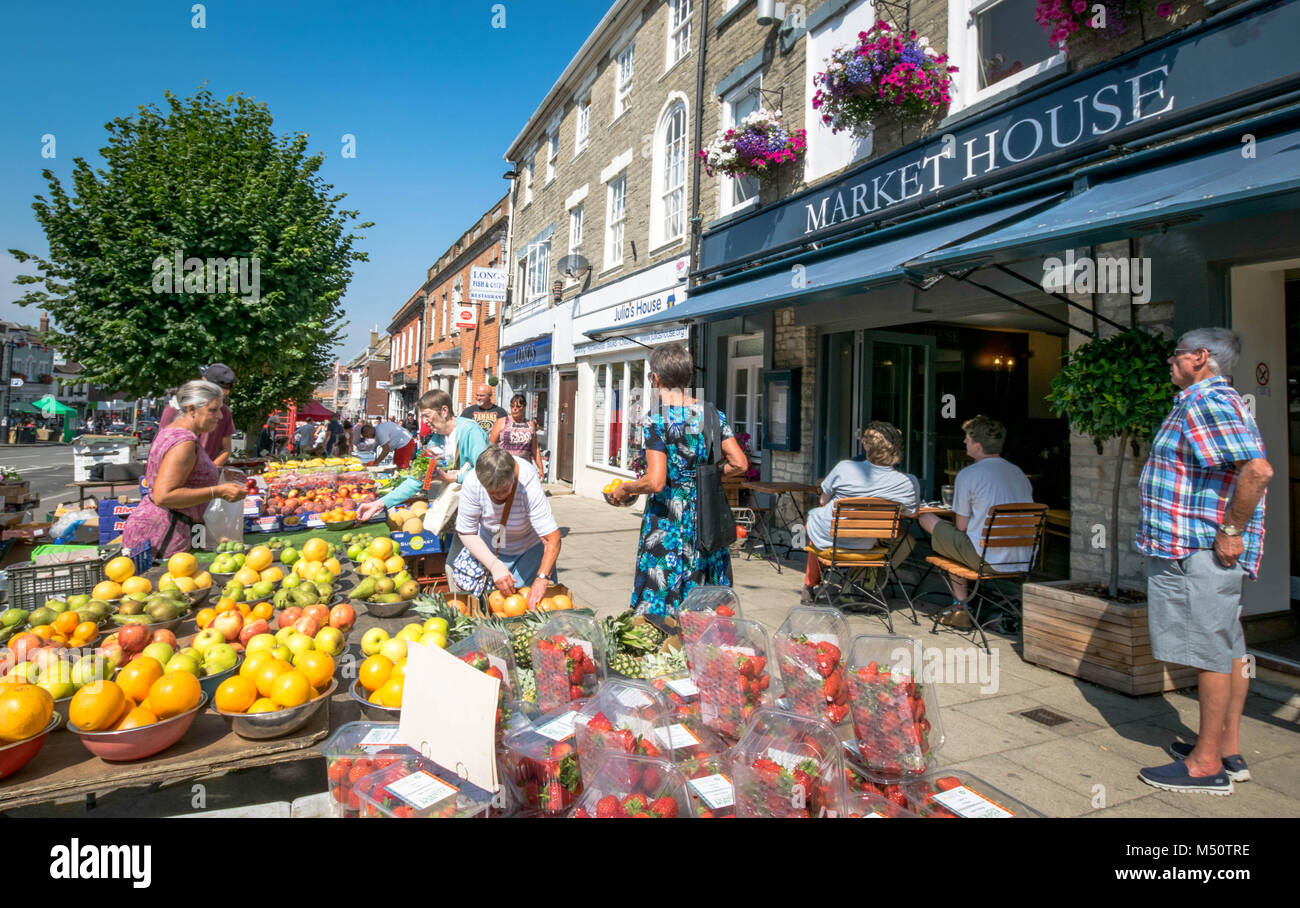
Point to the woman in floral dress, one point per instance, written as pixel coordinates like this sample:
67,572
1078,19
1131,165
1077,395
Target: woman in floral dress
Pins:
668,563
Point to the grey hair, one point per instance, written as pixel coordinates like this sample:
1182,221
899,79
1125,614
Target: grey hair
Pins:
1223,345
495,468
197,393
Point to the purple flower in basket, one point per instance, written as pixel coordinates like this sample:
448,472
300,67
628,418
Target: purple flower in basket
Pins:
1164,10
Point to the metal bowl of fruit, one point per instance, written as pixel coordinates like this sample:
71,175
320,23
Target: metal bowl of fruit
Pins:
199,596
340,524
141,742
15,756
281,722
221,579
384,609
210,683
373,710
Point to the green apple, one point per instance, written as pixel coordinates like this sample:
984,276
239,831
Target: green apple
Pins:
207,638
372,640
299,644
163,652
239,560
192,653
283,634
394,649
289,555
28,672
91,668
433,638
180,663
56,678
282,652
219,658
410,632
260,641
436,624
330,640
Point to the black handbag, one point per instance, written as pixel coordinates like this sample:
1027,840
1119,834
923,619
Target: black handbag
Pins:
715,525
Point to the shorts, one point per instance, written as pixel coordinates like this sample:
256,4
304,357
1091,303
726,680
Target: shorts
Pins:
402,456
1194,611
955,545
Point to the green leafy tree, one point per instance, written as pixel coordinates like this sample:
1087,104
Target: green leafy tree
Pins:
204,181
1116,387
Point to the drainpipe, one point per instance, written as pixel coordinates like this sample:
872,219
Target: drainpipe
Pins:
695,340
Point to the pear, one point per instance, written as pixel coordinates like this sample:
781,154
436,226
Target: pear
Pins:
365,589
409,590
384,585
79,600
387,597
401,580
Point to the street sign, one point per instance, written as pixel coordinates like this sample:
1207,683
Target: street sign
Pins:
487,285
15,382
465,317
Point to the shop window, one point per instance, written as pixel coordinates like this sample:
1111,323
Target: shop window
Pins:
742,192
679,30
620,393
744,407
668,217
995,45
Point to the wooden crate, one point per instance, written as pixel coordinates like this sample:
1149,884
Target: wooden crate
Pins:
1095,639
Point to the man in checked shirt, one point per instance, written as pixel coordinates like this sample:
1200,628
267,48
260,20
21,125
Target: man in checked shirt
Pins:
1202,529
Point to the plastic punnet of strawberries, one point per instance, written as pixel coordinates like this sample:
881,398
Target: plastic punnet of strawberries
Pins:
702,605
808,652
944,794
541,762
865,797
412,787
567,658
622,717
729,666
351,753
897,731
790,766
627,786
682,693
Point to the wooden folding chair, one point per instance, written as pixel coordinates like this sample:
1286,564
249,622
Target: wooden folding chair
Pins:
863,518
1007,526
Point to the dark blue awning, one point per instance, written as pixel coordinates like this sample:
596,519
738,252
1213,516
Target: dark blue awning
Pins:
849,267
1216,186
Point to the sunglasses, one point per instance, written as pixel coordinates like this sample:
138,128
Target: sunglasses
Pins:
1187,352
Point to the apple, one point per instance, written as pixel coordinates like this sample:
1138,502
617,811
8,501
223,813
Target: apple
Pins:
261,641
433,638
112,652
133,638
438,625
299,644
25,671
343,616
219,658
330,640
57,679
252,629
160,651
307,624
23,645
164,636
207,637
411,632
372,639
192,653
229,624
282,652
393,649
283,634
290,581
289,616
182,663
91,668
320,612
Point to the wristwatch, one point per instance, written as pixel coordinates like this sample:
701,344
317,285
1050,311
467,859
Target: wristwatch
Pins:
1228,529
541,576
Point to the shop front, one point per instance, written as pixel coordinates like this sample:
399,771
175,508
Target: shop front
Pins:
526,370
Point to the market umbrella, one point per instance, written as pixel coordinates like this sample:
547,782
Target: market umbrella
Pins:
314,412
26,409
48,406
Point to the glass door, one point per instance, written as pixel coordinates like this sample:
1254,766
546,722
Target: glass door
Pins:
898,387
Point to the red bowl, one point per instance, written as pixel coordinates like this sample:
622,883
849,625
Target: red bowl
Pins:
14,757
138,743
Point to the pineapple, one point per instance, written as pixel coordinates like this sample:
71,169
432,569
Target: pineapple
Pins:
627,665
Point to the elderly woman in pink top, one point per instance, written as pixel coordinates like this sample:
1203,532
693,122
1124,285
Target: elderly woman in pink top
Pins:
181,476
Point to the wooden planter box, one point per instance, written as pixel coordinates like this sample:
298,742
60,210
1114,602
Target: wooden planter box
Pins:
1095,639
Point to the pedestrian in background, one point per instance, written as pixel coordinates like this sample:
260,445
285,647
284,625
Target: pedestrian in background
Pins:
518,435
1201,526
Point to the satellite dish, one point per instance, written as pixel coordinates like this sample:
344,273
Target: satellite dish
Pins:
574,266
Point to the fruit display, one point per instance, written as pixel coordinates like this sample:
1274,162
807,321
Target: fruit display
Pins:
351,744
143,698
729,666
568,658
73,622
133,652
334,464
808,649
633,787
608,491
701,606
279,672
895,717
385,590
413,787
541,762
865,798
948,794
356,545
682,694
622,717
408,520
383,672
513,606
787,765
332,491
380,558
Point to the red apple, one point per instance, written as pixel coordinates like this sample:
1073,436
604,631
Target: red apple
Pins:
165,636
229,624
133,637
289,616
252,629
307,624
112,651
343,616
320,612
24,645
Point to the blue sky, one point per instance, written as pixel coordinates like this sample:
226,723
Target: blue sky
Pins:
432,92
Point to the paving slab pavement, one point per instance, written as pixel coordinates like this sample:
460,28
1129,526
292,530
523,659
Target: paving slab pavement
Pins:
1109,737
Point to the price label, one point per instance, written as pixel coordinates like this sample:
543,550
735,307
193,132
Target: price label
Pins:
715,790
677,737
421,789
560,728
379,737
632,698
684,687
971,804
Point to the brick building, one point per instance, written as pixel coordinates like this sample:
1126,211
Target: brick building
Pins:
459,359
406,370
365,378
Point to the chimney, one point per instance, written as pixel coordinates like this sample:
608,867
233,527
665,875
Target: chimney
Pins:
45,323
374,339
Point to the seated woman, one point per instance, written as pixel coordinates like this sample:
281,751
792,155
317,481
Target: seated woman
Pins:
874,477
506,525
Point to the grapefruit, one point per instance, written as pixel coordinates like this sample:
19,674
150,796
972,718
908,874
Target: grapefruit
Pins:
98,706
25,710
182,564
119,569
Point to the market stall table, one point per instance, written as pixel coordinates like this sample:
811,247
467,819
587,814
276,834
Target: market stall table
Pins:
763,526
84,486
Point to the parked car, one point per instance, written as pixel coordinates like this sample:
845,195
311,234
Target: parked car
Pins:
145,430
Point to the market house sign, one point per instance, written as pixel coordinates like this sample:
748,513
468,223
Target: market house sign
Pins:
1138,94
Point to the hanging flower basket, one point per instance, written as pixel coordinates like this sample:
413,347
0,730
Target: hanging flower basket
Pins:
755,148
886,74
1064,20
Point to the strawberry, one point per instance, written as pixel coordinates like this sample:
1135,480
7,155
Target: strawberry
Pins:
825,648
360,768
338,771
581,815
608,808
947,783
633,804
648,748
404,811
600,722
575,692
725,611
665,807
493,672
553,796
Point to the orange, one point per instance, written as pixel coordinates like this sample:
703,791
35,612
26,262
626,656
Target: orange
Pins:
333,565
563,602
203,581
44,631
268,672
235,695
247,576
259,558
106,589
252,662
136,585
273,574
225,604
25,710
60,639
317,666
375,671
244,608
182,564
514,605
391,693
135,717
381,548
496,600
546,604
66,623
137,677
97,706
263,705
205,617
174,693
86,630
262,610
374,698
290,688
316,549
119,569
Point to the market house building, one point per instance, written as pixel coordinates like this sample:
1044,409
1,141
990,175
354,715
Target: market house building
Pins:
910,287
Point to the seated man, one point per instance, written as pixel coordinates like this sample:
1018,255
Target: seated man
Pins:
988,482
874,477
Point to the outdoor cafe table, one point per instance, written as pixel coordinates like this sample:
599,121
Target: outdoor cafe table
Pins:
763,526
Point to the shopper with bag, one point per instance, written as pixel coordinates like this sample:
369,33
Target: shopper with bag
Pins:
509,536
181,477
688,525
